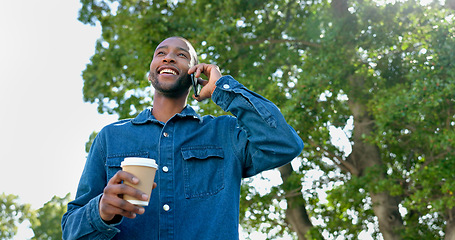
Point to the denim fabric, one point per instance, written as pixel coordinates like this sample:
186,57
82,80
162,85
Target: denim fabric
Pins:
201,163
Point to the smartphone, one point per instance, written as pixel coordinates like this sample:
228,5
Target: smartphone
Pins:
194,81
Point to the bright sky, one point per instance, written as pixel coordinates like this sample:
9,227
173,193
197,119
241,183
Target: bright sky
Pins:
44,122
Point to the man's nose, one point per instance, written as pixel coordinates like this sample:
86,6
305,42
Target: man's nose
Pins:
170,57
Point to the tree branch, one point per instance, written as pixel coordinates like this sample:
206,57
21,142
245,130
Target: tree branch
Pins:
433,158
277,41
342,164
296,213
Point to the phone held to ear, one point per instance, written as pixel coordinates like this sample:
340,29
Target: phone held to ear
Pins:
195,88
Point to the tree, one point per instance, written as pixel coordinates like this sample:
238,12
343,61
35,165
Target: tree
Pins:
381,73
47,223
11,215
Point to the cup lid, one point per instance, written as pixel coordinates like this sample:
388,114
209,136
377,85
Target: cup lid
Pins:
137,161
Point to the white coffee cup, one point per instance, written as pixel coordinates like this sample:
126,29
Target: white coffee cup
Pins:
144,169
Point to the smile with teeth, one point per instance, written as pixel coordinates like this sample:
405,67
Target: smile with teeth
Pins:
168,71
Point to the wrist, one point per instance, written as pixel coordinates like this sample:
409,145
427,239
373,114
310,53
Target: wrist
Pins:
213,90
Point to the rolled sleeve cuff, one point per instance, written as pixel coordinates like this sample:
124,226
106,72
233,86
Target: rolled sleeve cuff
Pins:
224,84
226,91
108,230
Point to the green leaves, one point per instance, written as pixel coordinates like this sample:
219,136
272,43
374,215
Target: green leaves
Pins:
382,73
261,212
12,213
46,225
45,222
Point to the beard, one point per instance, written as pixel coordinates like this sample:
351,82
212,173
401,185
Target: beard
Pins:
171,89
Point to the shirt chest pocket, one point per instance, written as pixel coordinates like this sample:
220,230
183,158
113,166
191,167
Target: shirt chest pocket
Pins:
203,170
113,162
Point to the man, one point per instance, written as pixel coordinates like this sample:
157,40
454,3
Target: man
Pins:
201,159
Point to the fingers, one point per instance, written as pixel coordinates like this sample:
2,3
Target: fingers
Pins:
124,189
202,81
110,206
198,71
210,70
206,91
123,176
112,203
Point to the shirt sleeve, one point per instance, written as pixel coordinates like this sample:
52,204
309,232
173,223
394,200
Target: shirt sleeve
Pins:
82,219
263,137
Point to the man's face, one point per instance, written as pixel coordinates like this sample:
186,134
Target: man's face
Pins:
169,68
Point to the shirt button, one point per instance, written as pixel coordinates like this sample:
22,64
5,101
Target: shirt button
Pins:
226,86
165,169
166,207
165,134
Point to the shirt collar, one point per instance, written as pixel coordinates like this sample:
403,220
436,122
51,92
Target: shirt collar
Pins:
146,115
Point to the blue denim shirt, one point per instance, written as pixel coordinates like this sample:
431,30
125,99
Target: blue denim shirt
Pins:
201,163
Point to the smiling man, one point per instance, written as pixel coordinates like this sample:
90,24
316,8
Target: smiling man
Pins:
201,159
172,58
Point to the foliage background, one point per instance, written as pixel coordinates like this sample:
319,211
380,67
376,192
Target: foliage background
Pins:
382,73
45,221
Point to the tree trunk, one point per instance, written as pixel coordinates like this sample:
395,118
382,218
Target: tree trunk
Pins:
385,207
450,225
296,213
365,155
450,4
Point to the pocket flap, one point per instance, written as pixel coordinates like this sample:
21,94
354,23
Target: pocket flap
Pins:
202,152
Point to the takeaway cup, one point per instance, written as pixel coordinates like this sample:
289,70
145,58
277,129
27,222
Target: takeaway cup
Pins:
144,169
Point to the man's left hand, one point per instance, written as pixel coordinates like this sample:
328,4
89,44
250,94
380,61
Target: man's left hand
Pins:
212,72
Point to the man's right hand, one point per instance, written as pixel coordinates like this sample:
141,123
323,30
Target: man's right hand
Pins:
112,204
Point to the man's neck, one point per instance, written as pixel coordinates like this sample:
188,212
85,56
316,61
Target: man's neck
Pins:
164,108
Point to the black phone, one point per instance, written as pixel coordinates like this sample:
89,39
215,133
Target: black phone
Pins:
195,88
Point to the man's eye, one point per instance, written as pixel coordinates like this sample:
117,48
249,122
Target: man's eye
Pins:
183,55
